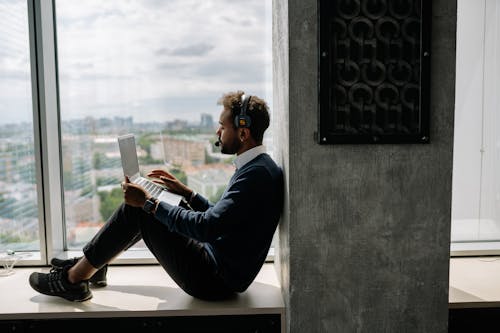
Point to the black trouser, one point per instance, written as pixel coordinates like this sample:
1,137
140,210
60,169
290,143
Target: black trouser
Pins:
185,260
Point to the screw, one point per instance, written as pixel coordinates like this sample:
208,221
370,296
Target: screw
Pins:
324,139
323,54
426,54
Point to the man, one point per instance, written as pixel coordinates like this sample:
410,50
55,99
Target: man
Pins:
211,251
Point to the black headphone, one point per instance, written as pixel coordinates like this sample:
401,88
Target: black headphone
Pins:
243,120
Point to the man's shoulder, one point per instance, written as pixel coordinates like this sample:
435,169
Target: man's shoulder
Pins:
262,160
262,165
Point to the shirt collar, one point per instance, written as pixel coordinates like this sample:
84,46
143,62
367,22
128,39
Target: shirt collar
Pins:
248,155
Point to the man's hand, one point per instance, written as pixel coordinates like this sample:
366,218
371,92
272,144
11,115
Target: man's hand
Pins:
170,182
134,195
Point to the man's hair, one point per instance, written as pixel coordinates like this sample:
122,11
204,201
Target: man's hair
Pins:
257,110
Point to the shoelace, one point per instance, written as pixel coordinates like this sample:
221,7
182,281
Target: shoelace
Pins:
54,280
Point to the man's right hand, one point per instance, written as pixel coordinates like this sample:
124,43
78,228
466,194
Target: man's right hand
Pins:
170,182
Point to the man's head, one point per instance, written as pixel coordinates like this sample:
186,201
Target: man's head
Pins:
234,140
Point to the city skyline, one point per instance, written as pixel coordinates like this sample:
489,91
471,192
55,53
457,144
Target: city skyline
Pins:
91,171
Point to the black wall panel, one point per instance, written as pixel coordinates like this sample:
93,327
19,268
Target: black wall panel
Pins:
374,71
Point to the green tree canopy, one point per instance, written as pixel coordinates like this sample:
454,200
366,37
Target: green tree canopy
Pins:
109,202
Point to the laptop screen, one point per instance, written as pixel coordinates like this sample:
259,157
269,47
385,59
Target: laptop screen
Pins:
128,155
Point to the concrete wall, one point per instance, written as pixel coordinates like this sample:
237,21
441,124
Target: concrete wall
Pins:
281,135
364,240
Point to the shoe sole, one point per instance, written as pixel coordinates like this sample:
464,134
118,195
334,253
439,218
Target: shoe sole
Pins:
99,284
72,299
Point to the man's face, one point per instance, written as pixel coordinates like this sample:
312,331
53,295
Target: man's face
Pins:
228,134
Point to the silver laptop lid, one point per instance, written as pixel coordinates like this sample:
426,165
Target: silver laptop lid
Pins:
128,154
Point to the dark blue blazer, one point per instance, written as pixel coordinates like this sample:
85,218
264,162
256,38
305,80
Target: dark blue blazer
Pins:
239,228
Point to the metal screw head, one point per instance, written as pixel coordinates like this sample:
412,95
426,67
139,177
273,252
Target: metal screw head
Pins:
426,54
323,54
324,139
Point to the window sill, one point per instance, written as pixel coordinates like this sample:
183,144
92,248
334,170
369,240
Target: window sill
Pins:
474,282
483,248
138,291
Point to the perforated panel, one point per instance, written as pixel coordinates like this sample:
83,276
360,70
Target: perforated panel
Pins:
374,71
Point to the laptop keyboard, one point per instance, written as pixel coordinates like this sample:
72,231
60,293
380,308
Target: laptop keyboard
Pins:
153,188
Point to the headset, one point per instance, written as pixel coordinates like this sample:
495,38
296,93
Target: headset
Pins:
243,120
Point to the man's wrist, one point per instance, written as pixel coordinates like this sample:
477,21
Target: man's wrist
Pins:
153,212
191,196
150,205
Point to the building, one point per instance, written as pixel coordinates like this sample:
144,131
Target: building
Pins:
207,121
179,150
365,231
210,180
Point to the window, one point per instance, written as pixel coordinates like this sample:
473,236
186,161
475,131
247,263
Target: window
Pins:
476,165
152,68
155,69
18,181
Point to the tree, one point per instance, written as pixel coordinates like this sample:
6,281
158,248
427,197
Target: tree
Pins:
145,142
216,197
109,201
179,174
97,160
88,190
6,238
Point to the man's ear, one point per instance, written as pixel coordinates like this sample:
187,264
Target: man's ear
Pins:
244,134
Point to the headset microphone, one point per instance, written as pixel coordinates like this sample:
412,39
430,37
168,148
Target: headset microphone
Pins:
217,143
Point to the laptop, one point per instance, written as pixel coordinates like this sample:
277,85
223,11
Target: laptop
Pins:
130,165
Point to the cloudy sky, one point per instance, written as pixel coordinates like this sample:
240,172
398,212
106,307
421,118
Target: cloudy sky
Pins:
15,87
155,60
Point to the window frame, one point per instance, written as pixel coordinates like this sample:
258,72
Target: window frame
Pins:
47,129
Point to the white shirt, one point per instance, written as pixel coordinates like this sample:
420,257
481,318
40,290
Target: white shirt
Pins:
249,155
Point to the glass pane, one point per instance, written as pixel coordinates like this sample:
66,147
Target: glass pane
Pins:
476,153
18,189
155,69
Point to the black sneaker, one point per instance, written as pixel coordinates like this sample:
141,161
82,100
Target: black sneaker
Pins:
56,283
97,280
